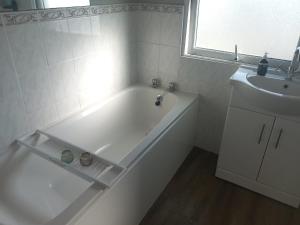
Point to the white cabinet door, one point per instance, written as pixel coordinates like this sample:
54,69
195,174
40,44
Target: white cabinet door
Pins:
281,165
245,139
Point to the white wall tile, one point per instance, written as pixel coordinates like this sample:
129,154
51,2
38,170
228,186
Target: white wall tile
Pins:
133,64
133,25
148,26
146,77
27,48
117,30
56,39
195,87
63,80
169,63
147,57
195,70
96,78
97,32
8,82
106,23
88,72
81,37
122,28
37,90
13,119
171,26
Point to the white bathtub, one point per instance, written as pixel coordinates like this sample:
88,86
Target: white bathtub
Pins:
122,128
150,141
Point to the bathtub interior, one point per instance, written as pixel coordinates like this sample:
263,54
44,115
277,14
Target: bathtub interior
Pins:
34,191
114,129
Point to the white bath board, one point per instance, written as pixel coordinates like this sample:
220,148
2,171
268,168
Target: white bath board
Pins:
102,171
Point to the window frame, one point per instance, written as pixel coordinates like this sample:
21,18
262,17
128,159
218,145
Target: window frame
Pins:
189,44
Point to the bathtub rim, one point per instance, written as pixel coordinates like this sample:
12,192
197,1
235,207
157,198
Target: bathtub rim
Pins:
182,100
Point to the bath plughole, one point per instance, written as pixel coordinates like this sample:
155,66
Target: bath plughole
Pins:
142,112
159,99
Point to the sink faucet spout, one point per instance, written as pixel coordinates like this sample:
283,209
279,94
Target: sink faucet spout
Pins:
295,64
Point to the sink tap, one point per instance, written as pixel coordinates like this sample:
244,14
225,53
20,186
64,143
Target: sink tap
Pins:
295,64
236,54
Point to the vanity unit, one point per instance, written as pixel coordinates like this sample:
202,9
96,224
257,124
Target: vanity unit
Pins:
260,149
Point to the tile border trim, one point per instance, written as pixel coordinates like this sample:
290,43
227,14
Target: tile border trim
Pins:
23,17
19,17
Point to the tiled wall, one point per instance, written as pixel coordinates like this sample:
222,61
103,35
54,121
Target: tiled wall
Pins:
158,44
56,62
158,51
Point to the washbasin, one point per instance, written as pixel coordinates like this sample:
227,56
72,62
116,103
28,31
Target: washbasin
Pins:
272,93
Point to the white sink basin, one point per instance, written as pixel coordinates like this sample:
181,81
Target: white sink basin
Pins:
272,93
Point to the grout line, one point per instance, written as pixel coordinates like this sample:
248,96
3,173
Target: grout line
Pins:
74,59
159,48
48,73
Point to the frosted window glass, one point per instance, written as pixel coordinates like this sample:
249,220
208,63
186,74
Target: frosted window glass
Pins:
65,3
256,26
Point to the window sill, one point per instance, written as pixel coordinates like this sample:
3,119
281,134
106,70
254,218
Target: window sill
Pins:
232,63
209,59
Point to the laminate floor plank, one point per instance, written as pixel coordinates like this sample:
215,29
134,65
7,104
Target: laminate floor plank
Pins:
196,197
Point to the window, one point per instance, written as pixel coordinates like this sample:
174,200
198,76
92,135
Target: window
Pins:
255,26
65,3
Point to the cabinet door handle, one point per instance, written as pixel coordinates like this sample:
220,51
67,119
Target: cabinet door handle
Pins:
278,139
261,133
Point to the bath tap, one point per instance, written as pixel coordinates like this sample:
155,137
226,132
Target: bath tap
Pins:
155,83
172,87
295,65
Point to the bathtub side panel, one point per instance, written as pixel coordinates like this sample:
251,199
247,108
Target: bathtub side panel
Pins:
129,200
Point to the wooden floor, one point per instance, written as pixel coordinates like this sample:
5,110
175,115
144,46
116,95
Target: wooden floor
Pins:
196,196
